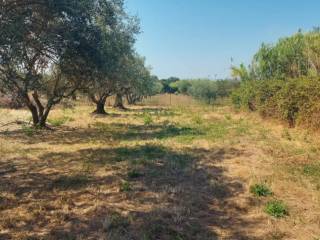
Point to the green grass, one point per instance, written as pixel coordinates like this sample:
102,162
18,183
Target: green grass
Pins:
242,128
57,122
197,120
29,130
125,187
260,190
277,209
312,170
210,131
217,130
147,119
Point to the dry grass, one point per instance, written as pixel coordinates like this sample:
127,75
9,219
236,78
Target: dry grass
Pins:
184,175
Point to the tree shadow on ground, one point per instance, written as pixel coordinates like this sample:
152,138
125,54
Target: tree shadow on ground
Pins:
178,194
104,133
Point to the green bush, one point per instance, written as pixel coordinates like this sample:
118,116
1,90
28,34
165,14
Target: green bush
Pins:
276,208
295,101
283,80
260,190
244,96
147,119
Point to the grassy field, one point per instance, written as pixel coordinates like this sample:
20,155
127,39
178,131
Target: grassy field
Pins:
158,171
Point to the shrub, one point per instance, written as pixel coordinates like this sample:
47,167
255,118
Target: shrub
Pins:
312,170
29,131
296,101
260,190
147,119
276,208
57,122
283,80
244,96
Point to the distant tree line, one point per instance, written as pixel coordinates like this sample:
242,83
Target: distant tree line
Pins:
283,80
202,89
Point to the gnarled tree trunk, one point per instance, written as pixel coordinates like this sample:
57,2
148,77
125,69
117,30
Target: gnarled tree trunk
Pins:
132,99
118,103
100,108
100,104
38,111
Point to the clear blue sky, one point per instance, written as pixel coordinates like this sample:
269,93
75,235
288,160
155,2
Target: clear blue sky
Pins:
198,38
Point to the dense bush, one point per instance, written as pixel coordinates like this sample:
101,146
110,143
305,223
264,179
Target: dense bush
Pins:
293,100
283,80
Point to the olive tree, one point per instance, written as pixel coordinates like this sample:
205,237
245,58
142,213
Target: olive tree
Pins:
118,38
141,83
48,50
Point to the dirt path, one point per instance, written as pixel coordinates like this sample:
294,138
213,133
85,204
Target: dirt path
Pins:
155,173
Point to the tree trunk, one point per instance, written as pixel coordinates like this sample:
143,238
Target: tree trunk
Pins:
118,102
100,107
129,99
74,97
35,116
33,109
44,117
39,113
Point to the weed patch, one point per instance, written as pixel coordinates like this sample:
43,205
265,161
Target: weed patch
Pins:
29,131
57,122
312,170
277,209
197,120
147,119
260,190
